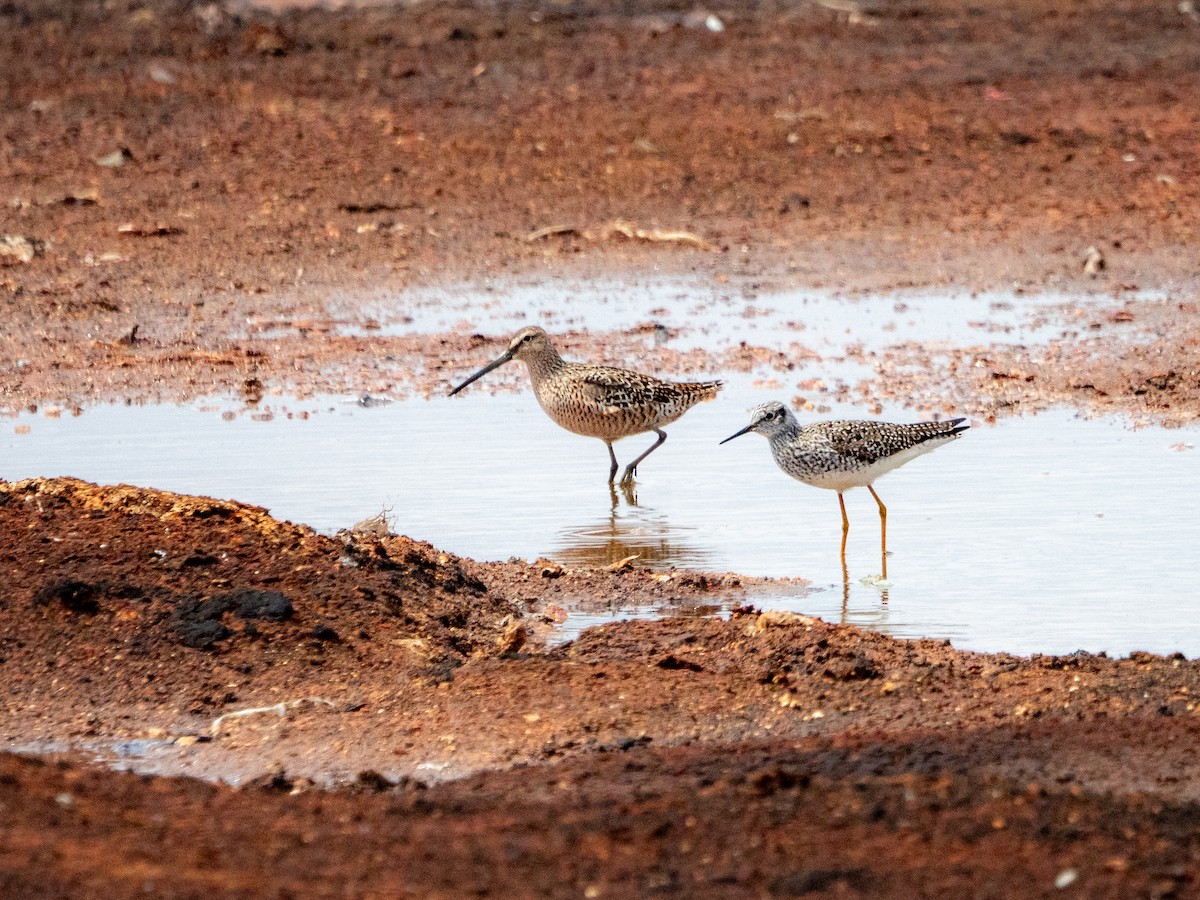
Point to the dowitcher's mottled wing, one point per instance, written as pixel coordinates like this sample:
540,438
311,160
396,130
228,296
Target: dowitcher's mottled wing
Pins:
871,442
623,389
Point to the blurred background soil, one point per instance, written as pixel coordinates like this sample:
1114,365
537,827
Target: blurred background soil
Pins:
180,178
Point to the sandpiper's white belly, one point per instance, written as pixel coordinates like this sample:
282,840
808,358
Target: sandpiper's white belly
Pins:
843,479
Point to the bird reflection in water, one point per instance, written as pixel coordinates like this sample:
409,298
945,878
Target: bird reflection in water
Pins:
634,531
627,491
876,620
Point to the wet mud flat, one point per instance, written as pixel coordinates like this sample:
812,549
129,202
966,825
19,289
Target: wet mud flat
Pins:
190,195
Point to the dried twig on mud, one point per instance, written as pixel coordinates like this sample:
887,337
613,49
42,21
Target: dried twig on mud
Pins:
550,231
622,228
655,235
623,565
153,229
280,709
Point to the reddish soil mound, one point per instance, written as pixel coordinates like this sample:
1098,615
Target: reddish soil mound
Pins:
147,586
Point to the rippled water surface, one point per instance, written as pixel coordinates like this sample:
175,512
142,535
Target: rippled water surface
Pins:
1044,534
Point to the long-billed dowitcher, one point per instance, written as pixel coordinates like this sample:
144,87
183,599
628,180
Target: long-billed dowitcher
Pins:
845,454
599,401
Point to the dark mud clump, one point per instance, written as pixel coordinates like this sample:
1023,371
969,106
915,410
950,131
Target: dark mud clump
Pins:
198,620
74,595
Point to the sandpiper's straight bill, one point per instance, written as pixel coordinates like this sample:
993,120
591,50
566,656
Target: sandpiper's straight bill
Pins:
845,454
599,401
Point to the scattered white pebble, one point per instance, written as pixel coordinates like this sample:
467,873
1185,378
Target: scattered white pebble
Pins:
1093,261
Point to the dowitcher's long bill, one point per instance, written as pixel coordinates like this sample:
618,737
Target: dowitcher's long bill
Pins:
846,454
599,401
495,364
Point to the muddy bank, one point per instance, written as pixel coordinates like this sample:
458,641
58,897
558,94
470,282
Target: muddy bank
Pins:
764,753
784,822
140,616
137,618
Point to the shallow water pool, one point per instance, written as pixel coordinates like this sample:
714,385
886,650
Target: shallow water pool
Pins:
1043,534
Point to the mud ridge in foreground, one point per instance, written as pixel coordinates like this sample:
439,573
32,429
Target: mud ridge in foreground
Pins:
769,752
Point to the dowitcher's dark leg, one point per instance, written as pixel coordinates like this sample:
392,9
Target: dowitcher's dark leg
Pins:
845,527
882,528
631,469
612,470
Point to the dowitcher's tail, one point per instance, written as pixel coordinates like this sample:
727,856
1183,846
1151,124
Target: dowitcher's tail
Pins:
699,391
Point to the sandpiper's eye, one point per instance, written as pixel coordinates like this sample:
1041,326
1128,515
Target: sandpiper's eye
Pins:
527,339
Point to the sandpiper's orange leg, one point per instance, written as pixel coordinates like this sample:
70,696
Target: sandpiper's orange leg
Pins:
845,590
882,528
845,527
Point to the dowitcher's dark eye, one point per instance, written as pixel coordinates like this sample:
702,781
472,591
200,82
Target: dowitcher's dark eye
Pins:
527,339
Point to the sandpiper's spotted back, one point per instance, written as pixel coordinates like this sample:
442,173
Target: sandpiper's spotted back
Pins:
843,454
600,401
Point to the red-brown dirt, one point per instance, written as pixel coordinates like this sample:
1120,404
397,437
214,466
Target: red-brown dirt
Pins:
769,752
